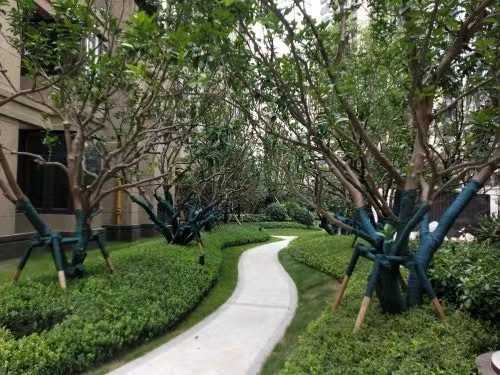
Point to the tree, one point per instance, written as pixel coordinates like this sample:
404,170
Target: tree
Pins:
309,99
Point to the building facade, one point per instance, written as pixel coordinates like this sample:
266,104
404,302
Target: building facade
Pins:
23,128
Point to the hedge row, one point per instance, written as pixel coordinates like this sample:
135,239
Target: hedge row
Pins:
285,224
155,285
411,343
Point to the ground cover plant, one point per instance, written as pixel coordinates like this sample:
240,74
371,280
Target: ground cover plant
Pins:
46,332
411,343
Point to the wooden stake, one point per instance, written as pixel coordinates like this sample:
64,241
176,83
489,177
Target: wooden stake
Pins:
340,293
62,280
110,265
438,309
365,305
16,275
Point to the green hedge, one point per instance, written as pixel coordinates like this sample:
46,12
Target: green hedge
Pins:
276,212
411,343
45,332
285,224
468,276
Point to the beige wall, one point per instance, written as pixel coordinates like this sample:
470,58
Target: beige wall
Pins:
9,138
9,58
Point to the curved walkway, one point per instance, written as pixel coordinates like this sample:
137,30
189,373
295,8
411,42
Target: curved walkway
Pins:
237,338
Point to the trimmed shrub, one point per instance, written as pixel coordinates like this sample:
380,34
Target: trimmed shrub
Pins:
302,216
285,224
291,207
251,218
468,276
276,212
298,213
411,343
156,285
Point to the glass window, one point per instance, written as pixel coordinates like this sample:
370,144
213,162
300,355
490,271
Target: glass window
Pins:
46,186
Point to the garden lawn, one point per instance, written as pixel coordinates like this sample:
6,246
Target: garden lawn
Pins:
411,343
315,289
156,285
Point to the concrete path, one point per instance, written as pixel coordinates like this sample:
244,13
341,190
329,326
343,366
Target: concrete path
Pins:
237,338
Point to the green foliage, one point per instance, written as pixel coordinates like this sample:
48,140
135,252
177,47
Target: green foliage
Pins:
468,276
276,212
285,224
298,213
250,218
154,287
488,230
303,216
291,207
410,343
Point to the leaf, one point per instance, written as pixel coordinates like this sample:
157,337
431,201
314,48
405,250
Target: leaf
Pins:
228,3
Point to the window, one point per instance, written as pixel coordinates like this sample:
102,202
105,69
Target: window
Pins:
94,46
147,6
46,186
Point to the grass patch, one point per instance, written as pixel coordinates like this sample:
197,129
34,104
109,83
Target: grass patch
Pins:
411,343
315,291
155,286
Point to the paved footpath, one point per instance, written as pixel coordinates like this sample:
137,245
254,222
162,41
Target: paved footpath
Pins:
237,338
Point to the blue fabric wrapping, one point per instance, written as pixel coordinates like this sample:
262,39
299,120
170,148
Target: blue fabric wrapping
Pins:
367,232
449,217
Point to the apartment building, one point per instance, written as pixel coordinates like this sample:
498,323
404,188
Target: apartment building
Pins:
360,15
23,128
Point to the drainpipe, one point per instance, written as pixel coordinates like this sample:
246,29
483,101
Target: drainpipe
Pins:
118,205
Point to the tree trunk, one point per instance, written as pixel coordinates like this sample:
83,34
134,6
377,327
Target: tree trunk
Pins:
82,234
388,289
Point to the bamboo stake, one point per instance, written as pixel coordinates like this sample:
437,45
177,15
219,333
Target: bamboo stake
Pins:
438,309
110,265
62,280
340,293
365,305
16,275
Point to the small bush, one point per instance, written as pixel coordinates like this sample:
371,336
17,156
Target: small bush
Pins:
291,207
468,276
43,331
276,212
302,216
298,213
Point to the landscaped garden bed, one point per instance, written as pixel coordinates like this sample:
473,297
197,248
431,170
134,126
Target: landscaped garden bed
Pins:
156,285
411,343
